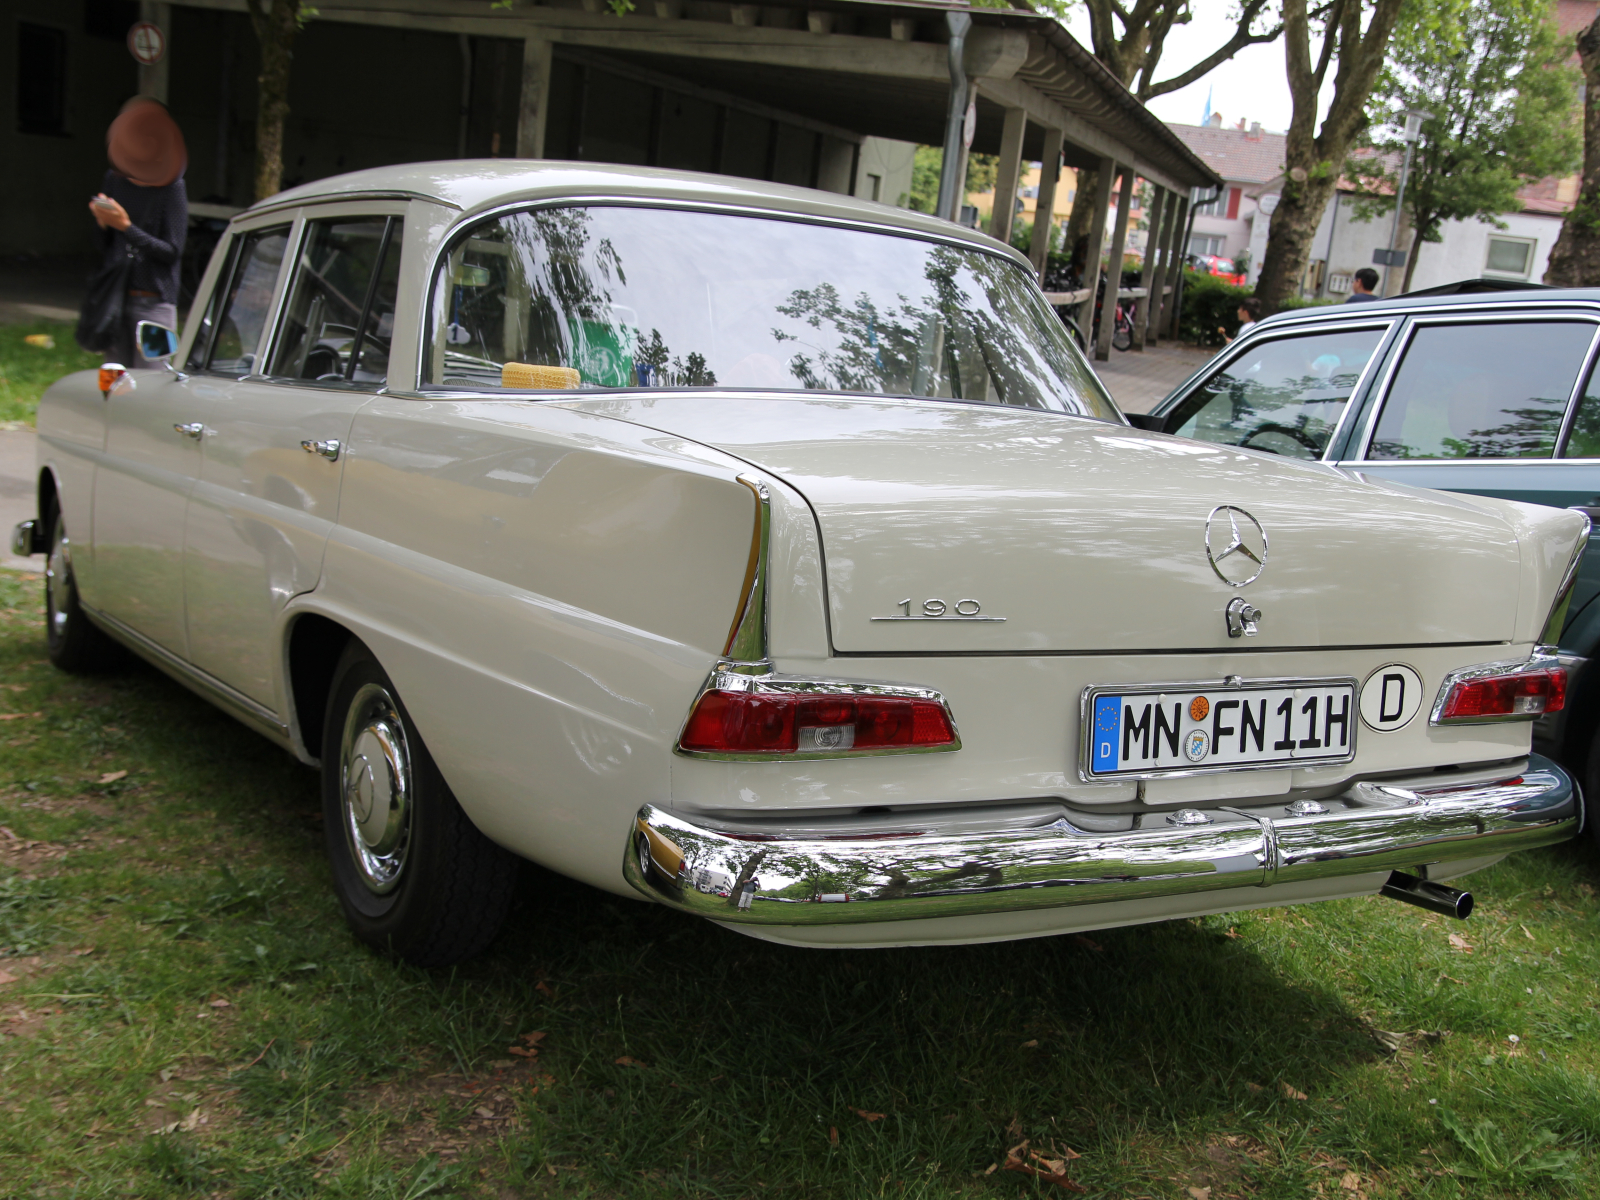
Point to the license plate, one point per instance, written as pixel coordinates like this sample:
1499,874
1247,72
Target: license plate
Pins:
1184,728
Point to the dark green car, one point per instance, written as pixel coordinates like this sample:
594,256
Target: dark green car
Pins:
1495,394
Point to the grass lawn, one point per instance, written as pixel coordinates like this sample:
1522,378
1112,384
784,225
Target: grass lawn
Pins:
26,370
183,1013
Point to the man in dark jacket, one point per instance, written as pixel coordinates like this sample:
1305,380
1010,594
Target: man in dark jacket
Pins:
143,214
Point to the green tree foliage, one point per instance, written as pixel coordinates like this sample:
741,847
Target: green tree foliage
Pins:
1492,75
925,168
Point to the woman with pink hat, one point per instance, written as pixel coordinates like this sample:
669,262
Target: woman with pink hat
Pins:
143,214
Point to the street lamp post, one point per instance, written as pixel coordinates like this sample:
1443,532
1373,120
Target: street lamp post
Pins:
1413,132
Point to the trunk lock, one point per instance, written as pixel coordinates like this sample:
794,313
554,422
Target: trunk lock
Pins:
1242,617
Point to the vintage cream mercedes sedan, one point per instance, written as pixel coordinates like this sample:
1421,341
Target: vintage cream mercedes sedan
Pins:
776,557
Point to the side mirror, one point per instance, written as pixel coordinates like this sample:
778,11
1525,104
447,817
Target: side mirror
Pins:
156,342
1147,421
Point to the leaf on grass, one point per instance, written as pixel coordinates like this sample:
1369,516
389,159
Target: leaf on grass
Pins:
544,987
8,835
1254,1087
833,1135
533,1039
867,1116
1029,1045
629,1061
1457,942
1200,1193
1232,932
7,977
80,953
219,1003
1049,1170
113,776
1087,943
1350,1181
1526,934
521,1053
486,1113
19,716
1291,1093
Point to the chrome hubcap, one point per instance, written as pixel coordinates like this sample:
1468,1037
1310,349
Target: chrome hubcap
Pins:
57,581
375,788
642,844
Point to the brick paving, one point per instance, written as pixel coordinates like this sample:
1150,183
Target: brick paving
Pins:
1137,379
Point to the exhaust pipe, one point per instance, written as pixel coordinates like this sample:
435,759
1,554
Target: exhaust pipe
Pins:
1424,893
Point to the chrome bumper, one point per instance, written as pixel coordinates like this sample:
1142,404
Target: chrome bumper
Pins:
767,880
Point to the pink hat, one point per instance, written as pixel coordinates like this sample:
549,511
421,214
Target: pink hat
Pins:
145,144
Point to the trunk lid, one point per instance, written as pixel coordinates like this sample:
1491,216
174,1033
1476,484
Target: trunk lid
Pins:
1086,536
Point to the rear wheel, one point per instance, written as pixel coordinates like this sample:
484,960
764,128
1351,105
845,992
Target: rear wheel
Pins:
415,877
75,644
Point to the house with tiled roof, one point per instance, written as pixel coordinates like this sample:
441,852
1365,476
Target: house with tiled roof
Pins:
1234,224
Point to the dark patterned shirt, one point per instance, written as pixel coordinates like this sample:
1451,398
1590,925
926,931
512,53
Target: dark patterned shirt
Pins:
160,219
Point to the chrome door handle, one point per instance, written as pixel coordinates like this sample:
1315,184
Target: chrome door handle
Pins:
328,449
193,429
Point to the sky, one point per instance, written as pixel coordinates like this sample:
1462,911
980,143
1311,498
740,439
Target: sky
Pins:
1252,84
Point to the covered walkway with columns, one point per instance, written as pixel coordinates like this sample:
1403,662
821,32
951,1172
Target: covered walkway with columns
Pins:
787,90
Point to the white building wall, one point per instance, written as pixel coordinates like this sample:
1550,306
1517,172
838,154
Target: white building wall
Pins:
1462,254
890,161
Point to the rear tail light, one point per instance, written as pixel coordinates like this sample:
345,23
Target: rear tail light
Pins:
1497,694
797,722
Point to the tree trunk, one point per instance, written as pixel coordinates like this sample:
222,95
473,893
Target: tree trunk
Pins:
275,31
1411,259
1293,226
1082,211
1575,258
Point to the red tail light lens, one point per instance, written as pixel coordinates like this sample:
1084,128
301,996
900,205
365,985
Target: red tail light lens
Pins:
789,723
1530,693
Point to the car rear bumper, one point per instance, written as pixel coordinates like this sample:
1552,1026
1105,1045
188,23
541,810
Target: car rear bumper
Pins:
1373,826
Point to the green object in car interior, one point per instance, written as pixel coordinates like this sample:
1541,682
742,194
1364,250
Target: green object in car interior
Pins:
603,350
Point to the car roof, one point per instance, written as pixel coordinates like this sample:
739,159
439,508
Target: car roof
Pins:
473,185
1540,298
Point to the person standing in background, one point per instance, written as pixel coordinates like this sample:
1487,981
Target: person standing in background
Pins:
1361,285
143,214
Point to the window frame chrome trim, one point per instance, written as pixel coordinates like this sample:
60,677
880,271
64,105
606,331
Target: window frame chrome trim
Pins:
1232,683
1381,397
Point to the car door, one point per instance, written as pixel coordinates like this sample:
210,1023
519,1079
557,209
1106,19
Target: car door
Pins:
153,447
1496,405
275,443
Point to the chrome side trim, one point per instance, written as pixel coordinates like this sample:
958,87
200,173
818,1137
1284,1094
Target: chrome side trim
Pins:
1228,683
1556,620
762,677
774,880
747,639
1542,656
234,702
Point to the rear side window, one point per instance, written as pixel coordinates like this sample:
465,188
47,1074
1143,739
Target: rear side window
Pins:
244,302
1584,439
1482,390
1284,396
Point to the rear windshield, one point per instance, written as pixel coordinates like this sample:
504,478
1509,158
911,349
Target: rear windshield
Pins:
615,297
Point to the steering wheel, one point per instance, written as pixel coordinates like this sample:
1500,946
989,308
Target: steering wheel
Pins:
1288,431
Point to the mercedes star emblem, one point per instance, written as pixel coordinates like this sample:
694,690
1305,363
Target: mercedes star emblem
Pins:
1236,545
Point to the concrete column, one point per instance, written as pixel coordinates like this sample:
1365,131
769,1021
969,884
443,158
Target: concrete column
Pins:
534,107
153,79
1044,209
1180,250
1155,263
1171,266
1152,253
1008,174
1096,235
1113,268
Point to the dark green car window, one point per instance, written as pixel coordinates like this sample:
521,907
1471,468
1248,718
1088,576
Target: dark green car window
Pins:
1284,396
1482,390
1584,439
